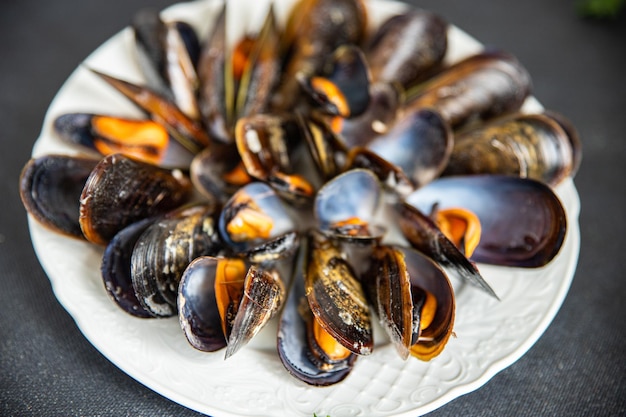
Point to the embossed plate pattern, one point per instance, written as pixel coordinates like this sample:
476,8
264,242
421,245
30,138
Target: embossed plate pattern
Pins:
490,335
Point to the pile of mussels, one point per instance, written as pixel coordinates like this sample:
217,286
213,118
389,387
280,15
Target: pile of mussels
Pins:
255,185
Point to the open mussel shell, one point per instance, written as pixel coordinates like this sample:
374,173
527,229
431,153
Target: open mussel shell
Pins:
294,345
480,87
315,28
432,325
424,235
523,222
189,132
50,189
116,269
211,72
326,149
140,139
275,250
342,89
388,286
377,119
167,55
222,302
198,312
121,191
261,71
399,282
406,47
420,144
217,172
267,145
253,215
336,297
263,295
525,145
166,248
390,176
347,205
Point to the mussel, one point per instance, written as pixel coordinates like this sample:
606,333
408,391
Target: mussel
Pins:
120,191
166,248
531,240
141,139
524,145
413,299
306,351
480,87
343,185
394,59
50,189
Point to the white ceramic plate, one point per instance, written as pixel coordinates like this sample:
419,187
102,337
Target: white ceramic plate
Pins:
490,335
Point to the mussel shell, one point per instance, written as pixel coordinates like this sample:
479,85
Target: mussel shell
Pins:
181,72
274,250
480,87
293,348
197,309
523,222
116,270
336,297
211,171
166,248
325,148
390,176
377,119
50,189
420,143
572,135
211,72
427,275
352,197
424,235
253,215
149,33
263,296
121,191
141,139
315,28
262,71
407,46
342,89
189,132
526,145
388,286
266,143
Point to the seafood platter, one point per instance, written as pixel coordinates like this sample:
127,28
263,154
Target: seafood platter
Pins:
341,208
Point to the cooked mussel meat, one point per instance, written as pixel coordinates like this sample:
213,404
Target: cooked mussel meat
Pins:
253,215
141,139
342,88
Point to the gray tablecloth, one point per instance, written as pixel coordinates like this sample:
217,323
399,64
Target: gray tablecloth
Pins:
47,368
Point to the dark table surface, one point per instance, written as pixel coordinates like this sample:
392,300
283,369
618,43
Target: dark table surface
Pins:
578,367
